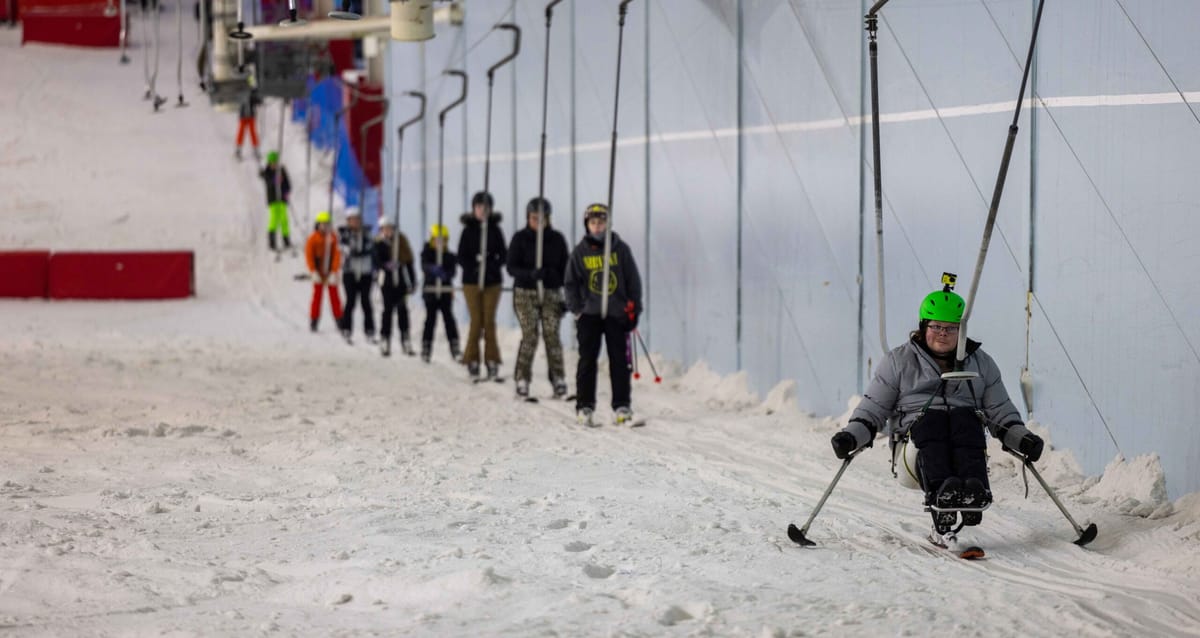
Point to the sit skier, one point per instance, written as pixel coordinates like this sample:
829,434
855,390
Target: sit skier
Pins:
942,417
324,260
394,260
357,274
278,190
538,311
439,265
582,290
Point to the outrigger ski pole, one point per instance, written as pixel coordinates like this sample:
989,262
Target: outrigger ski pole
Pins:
1086,535
798,534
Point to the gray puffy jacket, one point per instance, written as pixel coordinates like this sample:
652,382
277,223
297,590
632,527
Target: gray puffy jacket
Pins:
908,377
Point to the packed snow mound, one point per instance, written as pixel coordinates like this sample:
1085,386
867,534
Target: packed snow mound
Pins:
1136,487
730,392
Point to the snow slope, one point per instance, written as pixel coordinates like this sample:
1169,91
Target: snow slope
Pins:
210,467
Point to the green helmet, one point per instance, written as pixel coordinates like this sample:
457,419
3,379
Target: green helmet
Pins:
272,157
943,305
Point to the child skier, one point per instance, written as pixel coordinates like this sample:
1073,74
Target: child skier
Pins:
394,260
356,276
278,189
482,303
944,418
582,290
536,310
438,265
324,260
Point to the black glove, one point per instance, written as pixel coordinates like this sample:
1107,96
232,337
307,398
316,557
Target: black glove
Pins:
537,274
562,307
633,321
844,444
1031,446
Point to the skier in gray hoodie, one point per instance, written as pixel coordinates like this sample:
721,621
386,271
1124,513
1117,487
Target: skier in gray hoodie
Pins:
944,418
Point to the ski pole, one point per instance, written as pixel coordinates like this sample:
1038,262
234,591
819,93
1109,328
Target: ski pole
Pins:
657,378
797,534
1085,535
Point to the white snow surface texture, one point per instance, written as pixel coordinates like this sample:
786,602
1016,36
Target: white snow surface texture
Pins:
209,467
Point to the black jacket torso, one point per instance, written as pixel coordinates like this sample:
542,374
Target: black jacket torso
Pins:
468,251
277,189
522,258
434,274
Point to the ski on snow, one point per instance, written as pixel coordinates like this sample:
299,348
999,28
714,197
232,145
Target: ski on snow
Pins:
948,543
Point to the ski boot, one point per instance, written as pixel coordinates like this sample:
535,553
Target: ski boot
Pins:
406,346
347,336
455,352
560,388
313,324
949,495
237,152
493,371
623,416
371,338
583,416
473,370
271,242
426,351
522,386
975,495
385,347
257,154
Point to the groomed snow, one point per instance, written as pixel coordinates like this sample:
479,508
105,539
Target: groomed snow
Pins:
210,467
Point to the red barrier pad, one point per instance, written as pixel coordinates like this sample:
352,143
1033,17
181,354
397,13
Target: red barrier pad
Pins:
23,273
124,275
87,23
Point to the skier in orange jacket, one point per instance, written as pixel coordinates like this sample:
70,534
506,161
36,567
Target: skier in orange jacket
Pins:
324,261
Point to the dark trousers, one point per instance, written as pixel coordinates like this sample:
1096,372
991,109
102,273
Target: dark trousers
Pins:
436,304
358,288
950,444
394,302
589,330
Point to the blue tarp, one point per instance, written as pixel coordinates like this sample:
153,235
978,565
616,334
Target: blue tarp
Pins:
349,182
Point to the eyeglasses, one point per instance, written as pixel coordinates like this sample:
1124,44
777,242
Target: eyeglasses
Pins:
944,330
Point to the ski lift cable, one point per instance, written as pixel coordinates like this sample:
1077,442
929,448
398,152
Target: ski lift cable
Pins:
1154,55
949,136
1112,215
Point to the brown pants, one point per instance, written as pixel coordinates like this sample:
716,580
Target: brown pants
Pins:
482,309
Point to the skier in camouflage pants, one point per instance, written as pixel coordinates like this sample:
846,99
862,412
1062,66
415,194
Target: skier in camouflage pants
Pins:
533,312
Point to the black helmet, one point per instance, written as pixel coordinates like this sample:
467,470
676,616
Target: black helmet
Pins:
482,197
536,203
597,211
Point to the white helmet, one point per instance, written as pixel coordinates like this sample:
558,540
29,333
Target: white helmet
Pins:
353,211
905,458
387,222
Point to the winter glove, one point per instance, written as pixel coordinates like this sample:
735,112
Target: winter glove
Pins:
844,444
538,274
1031,446
562,308
437,271
317,278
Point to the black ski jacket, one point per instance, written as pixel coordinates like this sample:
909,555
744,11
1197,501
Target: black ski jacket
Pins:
248,107
404,269
522,258
581,286
284,189
358,252
438,274
468,251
